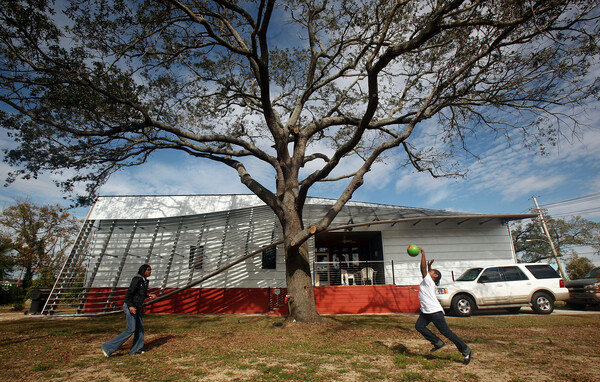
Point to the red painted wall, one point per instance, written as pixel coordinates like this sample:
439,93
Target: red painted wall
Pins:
193,300
329,300
367,299
205,300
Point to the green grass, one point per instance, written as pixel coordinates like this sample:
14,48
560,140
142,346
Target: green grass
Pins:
43,366
343,348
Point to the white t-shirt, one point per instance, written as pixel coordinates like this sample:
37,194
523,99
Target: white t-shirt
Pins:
429,303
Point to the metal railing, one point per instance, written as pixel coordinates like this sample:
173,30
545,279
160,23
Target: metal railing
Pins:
334,273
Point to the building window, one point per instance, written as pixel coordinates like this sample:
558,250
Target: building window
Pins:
196,257
269,258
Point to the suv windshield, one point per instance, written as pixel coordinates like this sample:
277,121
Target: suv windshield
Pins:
593,274
470,274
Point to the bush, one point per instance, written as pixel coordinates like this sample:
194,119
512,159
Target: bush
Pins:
18,306
12,295
577,266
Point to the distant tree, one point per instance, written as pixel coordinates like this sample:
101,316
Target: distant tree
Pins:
6,261
532,245
577,267
313,91
40,237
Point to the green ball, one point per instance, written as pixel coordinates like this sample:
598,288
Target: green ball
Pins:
413,250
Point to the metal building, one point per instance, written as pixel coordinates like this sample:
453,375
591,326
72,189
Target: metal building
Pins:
223,254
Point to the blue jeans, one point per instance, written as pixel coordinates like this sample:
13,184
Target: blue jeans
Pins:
439,321
135,326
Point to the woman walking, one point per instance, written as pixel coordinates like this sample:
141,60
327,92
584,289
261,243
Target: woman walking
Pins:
134,298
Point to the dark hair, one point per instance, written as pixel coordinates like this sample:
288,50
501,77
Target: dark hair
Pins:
142,269
439,276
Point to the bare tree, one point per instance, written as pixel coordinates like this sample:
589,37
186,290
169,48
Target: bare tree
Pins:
299,85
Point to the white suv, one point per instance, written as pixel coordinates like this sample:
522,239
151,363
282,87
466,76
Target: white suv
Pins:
508,286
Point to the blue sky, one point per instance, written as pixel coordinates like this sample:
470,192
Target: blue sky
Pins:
501,180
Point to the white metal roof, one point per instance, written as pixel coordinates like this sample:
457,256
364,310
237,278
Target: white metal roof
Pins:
163,206
169,206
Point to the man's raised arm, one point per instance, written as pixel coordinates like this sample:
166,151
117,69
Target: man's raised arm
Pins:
425,265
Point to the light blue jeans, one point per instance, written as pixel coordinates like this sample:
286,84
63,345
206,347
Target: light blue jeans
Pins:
135,326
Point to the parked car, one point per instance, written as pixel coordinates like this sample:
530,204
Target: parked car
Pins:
585,291
508,286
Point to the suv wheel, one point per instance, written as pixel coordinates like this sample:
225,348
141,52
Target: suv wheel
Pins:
542,303
462,305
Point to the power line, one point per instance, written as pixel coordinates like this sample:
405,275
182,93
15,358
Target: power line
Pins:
569,203
573,200
579,212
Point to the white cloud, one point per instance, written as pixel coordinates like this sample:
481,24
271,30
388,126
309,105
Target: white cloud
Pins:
515,172
43,187
185,177
380,176
530,185
421,185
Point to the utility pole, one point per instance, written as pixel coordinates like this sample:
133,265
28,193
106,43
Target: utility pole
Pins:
540,213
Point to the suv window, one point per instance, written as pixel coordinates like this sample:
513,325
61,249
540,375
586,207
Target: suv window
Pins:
470,274
543,271
593,274
491,275
513,274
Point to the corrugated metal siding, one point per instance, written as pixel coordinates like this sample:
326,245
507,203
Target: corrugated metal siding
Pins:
115,248
454,247
224,237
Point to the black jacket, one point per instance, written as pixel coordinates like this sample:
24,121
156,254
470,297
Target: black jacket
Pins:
136,294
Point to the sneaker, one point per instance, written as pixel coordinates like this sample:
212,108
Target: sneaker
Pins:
468,357
438,347
140,352
104,352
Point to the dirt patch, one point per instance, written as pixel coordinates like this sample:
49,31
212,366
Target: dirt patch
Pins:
8,315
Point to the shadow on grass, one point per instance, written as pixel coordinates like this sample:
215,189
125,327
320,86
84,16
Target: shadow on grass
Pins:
148,345
398,349
438,356
7,342
157,342
371,321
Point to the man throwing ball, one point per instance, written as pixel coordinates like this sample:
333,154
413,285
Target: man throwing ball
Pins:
432,311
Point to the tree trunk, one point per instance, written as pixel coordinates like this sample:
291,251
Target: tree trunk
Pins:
298,274
27,280
299,284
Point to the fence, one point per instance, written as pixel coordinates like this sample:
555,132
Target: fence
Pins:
339,273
